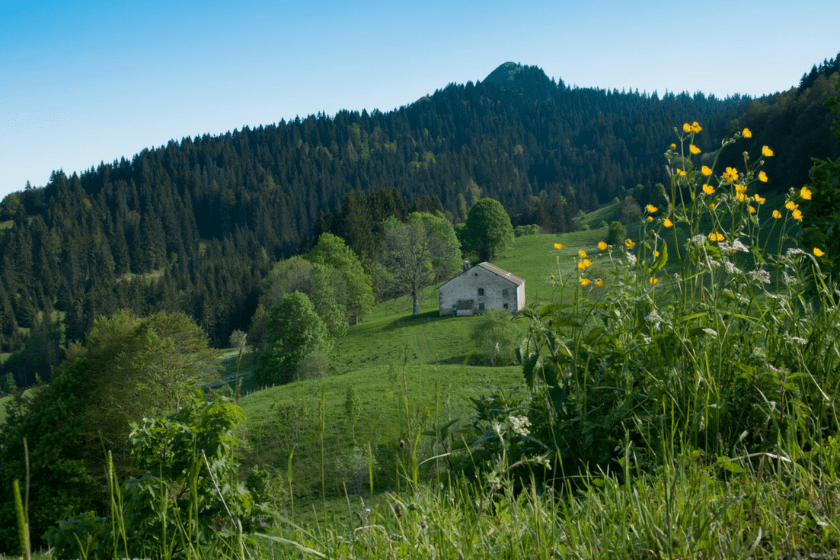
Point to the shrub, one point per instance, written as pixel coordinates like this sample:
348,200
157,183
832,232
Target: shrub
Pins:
495,336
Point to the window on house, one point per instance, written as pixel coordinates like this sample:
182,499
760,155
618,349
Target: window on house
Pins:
505,292
481,291
504,306
481,307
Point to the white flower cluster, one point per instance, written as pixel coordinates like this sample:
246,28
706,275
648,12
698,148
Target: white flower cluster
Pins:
731,268
519,425
734,246
654,318
760,275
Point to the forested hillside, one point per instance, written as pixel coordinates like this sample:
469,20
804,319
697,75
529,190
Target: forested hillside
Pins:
195,225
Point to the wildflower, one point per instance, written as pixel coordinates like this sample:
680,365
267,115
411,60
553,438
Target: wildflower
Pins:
599,283
818,252
766,152
602,245
693,149
696,127
698,239
711,332
730,175
631,258
777,214
686,127
762,176
584,264
653,280
751,209
715,236
706,170
791,205
760,199
673,146
667,223
680,172
630,243
552,277
740,188
794,251
797,214
747,133
656,253
731,268
740,197
708,189
760,275
652,209
582,254
519,424
805,193
653,316
650,218
558,246
584,281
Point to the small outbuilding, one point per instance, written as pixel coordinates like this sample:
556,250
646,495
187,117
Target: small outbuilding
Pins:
480,288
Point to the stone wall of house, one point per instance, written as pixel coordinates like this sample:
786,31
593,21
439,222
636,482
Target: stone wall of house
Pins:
486,289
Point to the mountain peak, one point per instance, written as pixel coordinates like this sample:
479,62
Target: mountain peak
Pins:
527,81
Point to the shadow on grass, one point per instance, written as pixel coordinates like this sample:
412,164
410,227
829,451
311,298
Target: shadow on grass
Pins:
422,318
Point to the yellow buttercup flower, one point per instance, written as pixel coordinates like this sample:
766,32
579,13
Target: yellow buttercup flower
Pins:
599,283
740,197
751,209
653,280
730,175
673,146
818,252
747,133
667,223
696,127
582,254
760,199
686,127
602,245
650,218
715,236
805,193
708,189
791,205
766,152
630,243
558,246
656,253
693,149
651,208
584,264
777,214
797,214
706,170
584,281
740,188
762,176
680,172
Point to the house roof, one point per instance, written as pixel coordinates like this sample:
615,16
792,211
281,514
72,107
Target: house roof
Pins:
512,278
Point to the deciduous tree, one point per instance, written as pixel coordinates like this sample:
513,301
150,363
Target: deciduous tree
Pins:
487,229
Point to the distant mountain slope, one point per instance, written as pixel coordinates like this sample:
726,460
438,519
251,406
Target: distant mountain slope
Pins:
195,224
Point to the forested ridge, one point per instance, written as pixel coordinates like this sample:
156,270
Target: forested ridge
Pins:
195,225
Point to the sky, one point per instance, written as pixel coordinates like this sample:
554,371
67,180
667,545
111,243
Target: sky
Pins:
84,82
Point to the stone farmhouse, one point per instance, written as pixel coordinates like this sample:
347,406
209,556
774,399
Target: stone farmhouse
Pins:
480,288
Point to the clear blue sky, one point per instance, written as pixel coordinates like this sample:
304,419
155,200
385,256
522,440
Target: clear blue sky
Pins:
89,81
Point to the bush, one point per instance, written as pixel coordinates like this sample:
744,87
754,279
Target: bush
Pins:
495,337
616,234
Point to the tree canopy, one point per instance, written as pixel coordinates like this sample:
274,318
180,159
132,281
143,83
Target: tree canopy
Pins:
487,230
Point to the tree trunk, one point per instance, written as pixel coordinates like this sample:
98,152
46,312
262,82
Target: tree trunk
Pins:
416,304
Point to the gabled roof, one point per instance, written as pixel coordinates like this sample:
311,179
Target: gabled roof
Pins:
512,278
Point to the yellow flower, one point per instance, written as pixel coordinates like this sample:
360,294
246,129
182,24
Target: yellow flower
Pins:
818,252
599,283
762,176
777,214
791,205
766,152
747,133
706,170
696,127
708,189
651,208
715,236
602,245
656,253
730,175
693,149
584,264
797,214
582,254
760,199
653,280
673,146
650,218
751,209
584,281
741,189
740,197
680,172
686,127
667,223
805,193
630,243
558,246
